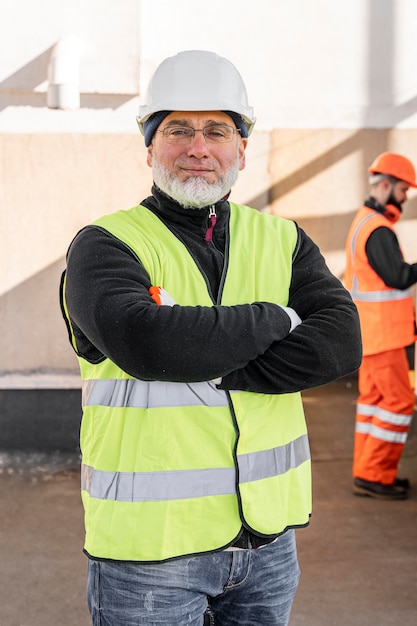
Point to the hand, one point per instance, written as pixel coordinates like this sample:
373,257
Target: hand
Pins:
160,296
294,317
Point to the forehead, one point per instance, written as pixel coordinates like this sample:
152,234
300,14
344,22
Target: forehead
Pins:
197,117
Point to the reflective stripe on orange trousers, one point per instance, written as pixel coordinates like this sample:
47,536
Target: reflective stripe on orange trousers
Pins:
384,410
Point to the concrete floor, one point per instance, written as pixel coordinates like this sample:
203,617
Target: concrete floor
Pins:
358,557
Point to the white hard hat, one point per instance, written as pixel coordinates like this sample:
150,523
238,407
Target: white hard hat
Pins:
196,80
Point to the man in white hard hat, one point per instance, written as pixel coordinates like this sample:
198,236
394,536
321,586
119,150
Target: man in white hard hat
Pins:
197,322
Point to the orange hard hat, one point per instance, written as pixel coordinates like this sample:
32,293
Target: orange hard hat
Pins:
392,164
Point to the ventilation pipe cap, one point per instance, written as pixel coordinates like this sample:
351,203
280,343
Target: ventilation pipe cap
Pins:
64,74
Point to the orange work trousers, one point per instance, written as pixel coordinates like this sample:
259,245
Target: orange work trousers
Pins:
383,415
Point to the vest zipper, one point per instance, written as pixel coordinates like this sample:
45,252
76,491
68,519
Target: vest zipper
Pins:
212,223
225,265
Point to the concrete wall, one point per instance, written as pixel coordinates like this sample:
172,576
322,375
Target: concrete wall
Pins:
333,84
319,177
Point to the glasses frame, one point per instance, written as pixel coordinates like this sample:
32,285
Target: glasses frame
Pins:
186,140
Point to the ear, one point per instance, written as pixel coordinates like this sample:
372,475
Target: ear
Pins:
242,155
386,184
149,156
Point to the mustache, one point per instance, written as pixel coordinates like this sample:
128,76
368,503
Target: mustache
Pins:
195,164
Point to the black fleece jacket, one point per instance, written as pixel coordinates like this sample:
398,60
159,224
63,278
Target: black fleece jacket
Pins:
249,345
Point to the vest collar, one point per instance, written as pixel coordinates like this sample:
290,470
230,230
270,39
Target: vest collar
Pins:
167,208
391,212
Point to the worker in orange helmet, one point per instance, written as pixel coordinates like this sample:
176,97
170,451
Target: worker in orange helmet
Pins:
379,281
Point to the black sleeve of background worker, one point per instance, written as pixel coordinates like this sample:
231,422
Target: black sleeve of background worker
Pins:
112,314
326,346
385,257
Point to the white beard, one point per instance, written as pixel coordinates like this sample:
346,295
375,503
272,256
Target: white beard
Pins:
195,192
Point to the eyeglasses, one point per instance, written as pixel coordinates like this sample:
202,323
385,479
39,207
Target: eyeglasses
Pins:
215,133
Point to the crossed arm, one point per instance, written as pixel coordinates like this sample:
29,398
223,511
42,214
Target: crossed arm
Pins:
250,346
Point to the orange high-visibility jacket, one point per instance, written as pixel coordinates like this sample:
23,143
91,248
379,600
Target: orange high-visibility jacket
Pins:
386,315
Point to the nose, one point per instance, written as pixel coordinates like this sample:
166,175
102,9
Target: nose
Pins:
198,145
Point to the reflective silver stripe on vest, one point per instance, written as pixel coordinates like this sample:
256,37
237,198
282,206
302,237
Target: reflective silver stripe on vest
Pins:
379,296
370,410
268,463
366,428
141,394
355,235
195,483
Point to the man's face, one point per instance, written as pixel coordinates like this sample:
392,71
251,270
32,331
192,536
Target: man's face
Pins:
398,193
394,193
196,172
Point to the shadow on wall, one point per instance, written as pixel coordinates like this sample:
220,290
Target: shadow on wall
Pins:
22,83
34,334
329,230
30,75
333,237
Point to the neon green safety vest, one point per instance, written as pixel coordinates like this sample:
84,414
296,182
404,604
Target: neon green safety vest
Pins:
172,469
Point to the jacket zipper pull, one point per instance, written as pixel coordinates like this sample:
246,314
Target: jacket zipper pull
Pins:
213,220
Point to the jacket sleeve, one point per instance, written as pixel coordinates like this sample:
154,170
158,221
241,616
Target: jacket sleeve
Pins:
113,315
324,347
386,259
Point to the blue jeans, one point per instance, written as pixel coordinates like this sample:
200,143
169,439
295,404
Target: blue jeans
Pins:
239,588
